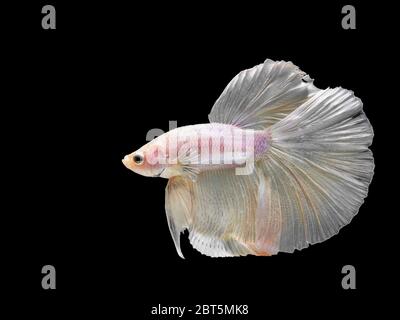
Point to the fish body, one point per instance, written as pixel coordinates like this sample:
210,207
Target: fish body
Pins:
281,165
201,147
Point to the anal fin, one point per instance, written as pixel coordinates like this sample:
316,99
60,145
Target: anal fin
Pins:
217,247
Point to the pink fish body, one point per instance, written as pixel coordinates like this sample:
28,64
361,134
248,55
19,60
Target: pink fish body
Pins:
282,165
200,147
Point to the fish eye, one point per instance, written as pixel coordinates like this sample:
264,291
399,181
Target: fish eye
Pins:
138,159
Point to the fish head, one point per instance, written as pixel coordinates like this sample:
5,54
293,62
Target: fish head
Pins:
146,161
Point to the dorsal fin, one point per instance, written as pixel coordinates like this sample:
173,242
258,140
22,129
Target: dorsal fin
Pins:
259,97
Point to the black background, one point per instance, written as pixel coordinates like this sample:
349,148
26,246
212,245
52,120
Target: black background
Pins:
82,96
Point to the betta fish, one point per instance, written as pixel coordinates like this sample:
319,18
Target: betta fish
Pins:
281,165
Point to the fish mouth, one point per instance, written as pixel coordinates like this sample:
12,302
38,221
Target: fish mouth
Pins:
125,161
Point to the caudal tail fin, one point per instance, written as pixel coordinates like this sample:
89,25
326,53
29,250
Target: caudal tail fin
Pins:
318,169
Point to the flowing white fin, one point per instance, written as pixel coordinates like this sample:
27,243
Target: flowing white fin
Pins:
224,211
178,204
259,97
320,167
